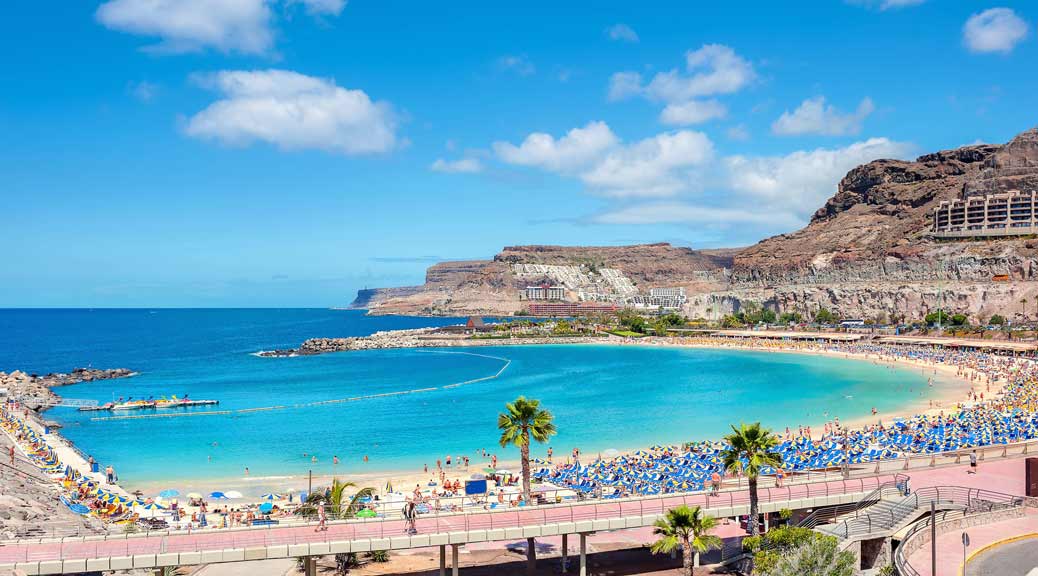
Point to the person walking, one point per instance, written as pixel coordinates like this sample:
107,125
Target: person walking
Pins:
973,462
322,517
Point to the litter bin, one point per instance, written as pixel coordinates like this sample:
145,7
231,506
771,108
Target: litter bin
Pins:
95,467
46,429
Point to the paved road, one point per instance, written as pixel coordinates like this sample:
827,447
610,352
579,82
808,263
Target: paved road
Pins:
1018,558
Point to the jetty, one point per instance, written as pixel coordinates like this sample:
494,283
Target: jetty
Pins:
148,404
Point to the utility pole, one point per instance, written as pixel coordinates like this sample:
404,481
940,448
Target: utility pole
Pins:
933,538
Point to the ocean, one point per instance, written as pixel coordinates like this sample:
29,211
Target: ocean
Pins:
603,396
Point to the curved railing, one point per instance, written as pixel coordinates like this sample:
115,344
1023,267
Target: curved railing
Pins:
943,497
982,502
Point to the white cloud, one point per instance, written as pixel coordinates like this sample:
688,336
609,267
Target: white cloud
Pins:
622,32
713,69
576,149
692,112
521,65
687,213
293,111
652,167
887,4
331,7
243,26
623,85
813,116
739,133
994,30
802,181
144,91
189,25
462,166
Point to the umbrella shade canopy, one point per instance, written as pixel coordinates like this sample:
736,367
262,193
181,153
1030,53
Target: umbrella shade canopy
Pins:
610,452
272,496
477,476
504,472
193,495
152,506
266,507
232,494
366,513
218,496
169,493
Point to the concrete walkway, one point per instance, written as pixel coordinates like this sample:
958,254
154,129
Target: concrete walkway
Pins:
949,546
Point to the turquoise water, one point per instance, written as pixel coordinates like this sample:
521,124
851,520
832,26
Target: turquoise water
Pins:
603,396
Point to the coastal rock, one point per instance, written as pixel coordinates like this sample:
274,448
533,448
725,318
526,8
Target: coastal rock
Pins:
35,391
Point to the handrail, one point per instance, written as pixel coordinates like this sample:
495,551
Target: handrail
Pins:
815,518
958,497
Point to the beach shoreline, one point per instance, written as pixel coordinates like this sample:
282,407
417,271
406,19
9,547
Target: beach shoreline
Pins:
948,389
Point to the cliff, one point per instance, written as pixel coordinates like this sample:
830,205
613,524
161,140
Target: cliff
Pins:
866,252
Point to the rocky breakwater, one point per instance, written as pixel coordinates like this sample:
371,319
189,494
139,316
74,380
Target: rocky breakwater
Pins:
377,341
417,338
34,391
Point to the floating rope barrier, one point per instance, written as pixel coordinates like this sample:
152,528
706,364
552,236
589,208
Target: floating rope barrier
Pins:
507,363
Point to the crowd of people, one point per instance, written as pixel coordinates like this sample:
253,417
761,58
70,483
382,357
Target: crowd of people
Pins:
1000,408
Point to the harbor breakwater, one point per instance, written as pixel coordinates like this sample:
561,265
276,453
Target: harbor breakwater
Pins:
34,392
418,338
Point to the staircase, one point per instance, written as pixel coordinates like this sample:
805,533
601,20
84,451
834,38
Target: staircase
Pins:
890,513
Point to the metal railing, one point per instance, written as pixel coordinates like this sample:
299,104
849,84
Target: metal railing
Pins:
920,528
944,497
384,528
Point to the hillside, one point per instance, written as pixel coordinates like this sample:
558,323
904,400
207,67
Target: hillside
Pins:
866,252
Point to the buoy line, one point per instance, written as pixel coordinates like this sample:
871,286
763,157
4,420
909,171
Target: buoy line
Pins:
507,363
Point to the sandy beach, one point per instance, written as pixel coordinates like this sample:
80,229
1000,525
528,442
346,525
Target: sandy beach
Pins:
948,389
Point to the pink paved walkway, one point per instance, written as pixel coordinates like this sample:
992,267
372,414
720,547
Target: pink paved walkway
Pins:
355,530
949,546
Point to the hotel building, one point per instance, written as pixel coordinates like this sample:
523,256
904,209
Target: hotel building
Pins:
1007,214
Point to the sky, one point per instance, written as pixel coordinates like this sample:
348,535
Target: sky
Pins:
289,152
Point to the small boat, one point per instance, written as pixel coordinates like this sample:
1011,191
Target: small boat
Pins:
99,408
134,405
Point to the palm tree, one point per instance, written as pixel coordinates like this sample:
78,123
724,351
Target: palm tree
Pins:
521,420
342,505
689,528
751,448
1023,302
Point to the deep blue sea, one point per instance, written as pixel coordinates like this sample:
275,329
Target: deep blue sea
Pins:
603,396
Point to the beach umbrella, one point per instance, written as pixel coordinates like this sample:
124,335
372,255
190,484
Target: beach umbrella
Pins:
151,505
266,507
477,476
233,494
216,496
272,496
169,493
366,513
389,486
610,452
193,495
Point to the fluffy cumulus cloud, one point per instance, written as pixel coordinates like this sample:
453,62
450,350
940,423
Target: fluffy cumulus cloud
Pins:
578,148
653,167
293,111
710,70
994,30
622,32
520,64
190,25
461,166
814,116
692,112
656,166
802,181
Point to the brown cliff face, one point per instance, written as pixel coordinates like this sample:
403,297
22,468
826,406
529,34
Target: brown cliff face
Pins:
866,251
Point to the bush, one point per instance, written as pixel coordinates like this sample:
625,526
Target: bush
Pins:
997,320
938,317
824,316
379,556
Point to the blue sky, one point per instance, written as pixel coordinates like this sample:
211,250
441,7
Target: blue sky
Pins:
289,152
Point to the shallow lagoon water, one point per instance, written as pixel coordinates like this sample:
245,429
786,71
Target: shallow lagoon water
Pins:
603,396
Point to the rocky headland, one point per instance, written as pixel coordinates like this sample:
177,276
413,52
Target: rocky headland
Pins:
867,252
34,392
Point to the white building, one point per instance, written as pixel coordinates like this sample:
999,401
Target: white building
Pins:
545,292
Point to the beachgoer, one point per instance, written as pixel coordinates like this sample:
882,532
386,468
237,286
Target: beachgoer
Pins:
365,458
321,517
12,454
973,463
335,459
246,470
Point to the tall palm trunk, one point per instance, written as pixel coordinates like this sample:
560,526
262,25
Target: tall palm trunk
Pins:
752,521
524,451
686,556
